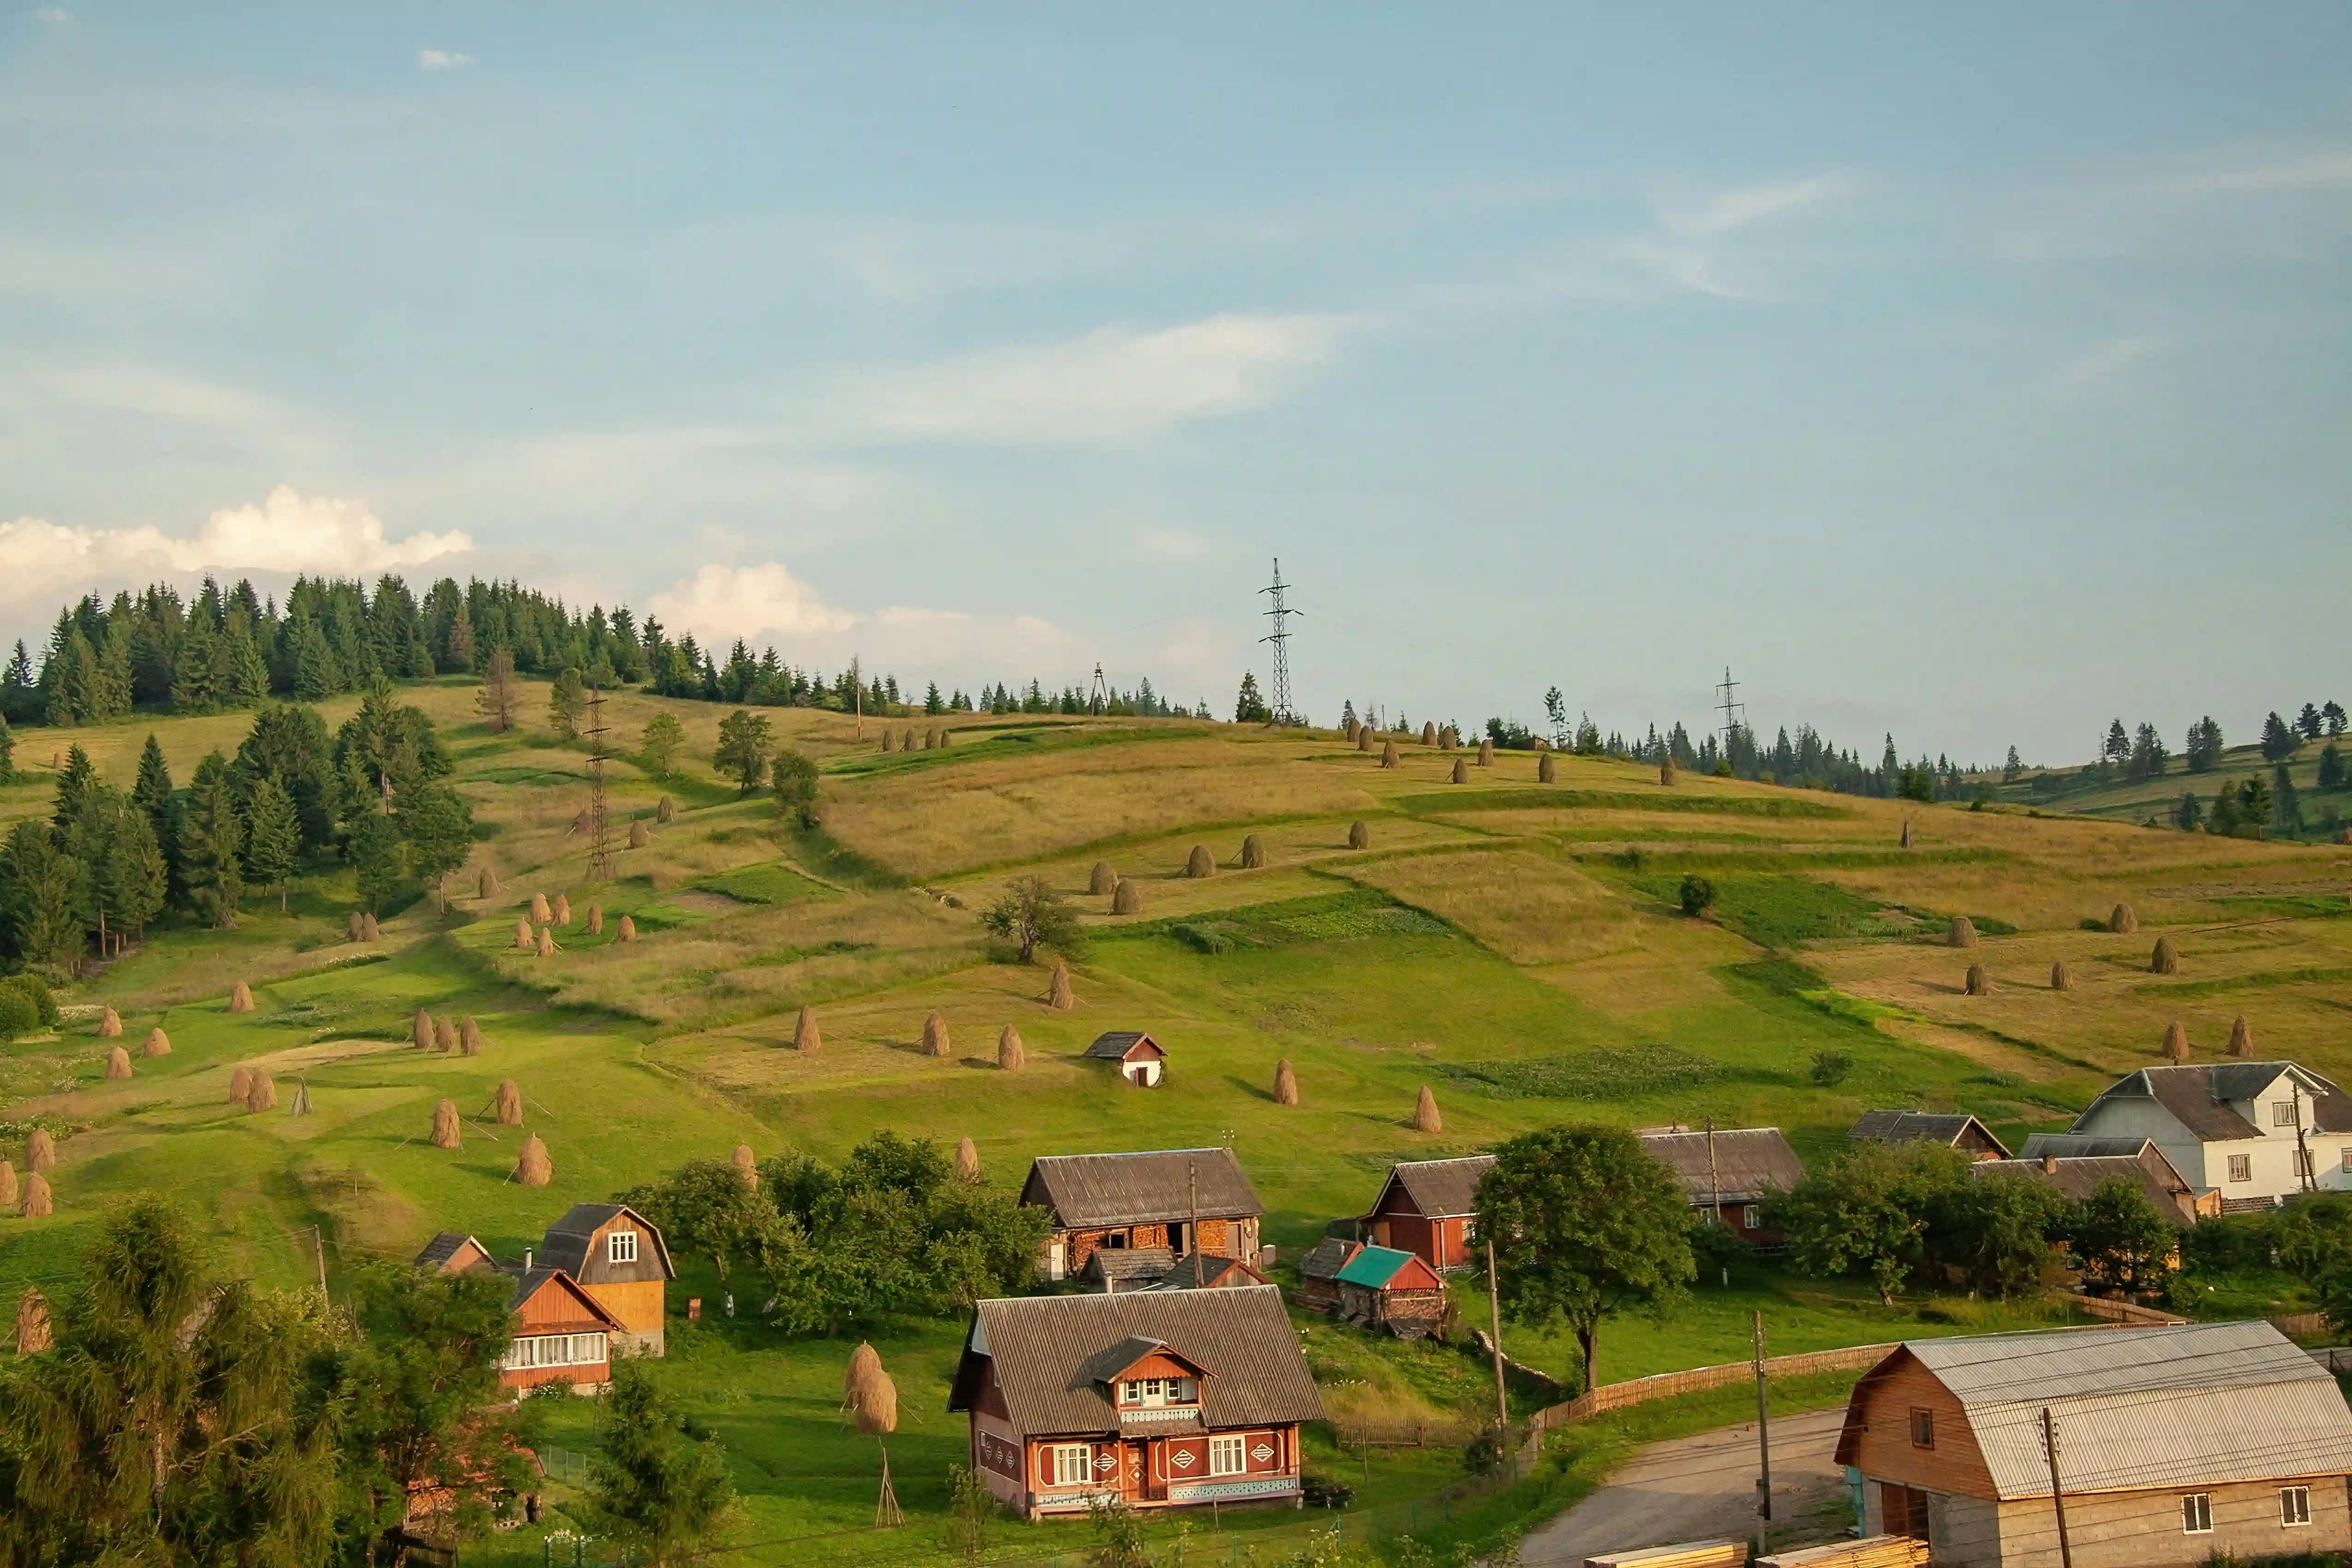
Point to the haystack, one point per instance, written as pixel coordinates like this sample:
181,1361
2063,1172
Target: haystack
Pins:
1388,758
539,913
446,1133
664,810
1961,932
1200,863
7,1184
523,939
1425,1117
240,1084
876,1404
110,1025
1358,835
240,997
628,932
506,1104
2242,1037
2166,959
1545,768
2061,977
805,1037
1009,1054
301,1106
369,929
967,1162
532,1167
353,927
864,1362
595,920
1286,1083
32,1321
638,836
1487,751
1668,772
1977,983
486,886
935,1037
445,1032
546,941
40,1150
420,1030
1905,842
37,1203
1448,740
1461,771
889,742
747,1165
1102,880
562,911
118,1064
1353,729
469,1037
2122,921
1429,731
1364,739
1059,994
1253,852
263,1094
2175,1042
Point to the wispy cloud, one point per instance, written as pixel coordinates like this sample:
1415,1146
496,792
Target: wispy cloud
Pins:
766,603
252,422
1170,545
442,60
2105,362
1742,206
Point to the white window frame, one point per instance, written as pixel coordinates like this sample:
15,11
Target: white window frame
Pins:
2242,1167
2347,1157
1156,1392
2197,1513
621,1246
2282,1114
1228,1456
2295,1506
1068,1457
1751,1217
2305,1166
532,1353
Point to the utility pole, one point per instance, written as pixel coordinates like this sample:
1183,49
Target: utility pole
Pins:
1763,1435
1713,1179
1494,1323
2057,1497
600,837
1279,698
318,1245
2302,1150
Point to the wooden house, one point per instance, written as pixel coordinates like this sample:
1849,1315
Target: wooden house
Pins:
1427,1207
1139,1057
1382,1288
2143,1151
2252,1134
619,1256
1954,1130
1181,1200
1729,1172
1153,1399
2174,1445
1203,1271
454,1252
2077,1176
563,1332
1319,1272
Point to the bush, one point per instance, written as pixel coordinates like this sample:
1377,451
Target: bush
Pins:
1485,1454
1830,1067
18,1016
1697,895
1200,939
1323,1491
44,1004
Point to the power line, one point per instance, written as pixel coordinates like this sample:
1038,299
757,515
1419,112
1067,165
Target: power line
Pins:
1279,699
600,837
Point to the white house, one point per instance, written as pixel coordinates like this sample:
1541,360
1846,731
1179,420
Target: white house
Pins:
2255,1133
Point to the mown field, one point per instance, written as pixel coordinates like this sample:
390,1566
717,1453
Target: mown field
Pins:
1515,946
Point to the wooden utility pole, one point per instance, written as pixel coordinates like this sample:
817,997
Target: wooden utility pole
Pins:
2303,1169
1763,1432
1713,1179
2057,1497
1495,1325
318,1245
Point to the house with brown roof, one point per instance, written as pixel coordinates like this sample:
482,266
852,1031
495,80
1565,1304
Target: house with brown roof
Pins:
2252,1134
562,1333
1140,1059
1168,1201
619,1257
1427,1207
1319,1273
1729,1171
2077,1176
1153,1399
1381,1288
1954,1130
2175,1446
454,1252
1203,1271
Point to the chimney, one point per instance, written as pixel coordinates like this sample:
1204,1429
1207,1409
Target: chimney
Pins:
2048,1164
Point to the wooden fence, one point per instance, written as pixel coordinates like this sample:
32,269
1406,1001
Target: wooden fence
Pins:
1667,1384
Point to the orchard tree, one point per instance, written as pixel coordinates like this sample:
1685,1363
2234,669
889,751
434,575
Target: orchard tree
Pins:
2121,1238
1865,1213
1030,914
1997,1230
795,776
743,751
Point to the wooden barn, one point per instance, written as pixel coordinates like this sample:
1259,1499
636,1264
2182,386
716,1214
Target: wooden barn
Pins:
1154,1399
1319,1272
1139,1057
1955,1130
1729,1171
1204,1271
454,1252
1382,1288
2079,1175
1427,1207
562,1333
620,1258
1176,1200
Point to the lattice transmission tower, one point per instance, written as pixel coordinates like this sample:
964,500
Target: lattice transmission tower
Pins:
1732,712
1278,698
600,837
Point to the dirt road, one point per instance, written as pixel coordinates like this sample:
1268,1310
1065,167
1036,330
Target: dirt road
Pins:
1702,1488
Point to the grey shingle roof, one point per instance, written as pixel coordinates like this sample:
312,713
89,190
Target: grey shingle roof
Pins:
2082,1145
1201,1271
2078,1176
1122,1265
568,1246
1749,1163
1438,1189
1113,1045
1145,1188
1919,1127
1328,1257
1047,1351
445,1245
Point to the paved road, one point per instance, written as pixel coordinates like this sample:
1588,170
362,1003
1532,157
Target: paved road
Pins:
1697,1489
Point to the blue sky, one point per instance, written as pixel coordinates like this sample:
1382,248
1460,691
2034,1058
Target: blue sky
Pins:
1978,373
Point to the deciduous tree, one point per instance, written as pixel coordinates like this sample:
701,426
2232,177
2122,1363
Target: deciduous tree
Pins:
1030,914
742,751
795,788
658,746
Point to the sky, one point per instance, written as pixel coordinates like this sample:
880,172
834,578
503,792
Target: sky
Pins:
1977,374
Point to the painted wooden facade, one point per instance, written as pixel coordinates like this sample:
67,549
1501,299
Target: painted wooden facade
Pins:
620,1258
1429,1208
562,1334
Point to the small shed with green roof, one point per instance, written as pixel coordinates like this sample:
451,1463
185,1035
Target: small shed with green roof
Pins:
1382,1286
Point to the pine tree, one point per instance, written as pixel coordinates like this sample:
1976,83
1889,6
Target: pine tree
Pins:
210,838
2012,768
2286,803
316,675
2254,803
1249,707
20,692
2279,741
439,828
73,787
2331,766
2189,813
69,674
273,836
195,677
2119,743
932,704
111,680
461,641
2307,723
565,700
496,700
372,844
42,886
2224,819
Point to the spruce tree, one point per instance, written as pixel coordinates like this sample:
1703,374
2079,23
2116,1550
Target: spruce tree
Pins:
2189,813
1249,707
210,840
372,844
273,836
439,828
2254,805
40,886
8,750
2286,803
68,676
495,701
73,787
2307,723
2224,820
195,676
565,700
2279,741
111,680
20,692
2331,766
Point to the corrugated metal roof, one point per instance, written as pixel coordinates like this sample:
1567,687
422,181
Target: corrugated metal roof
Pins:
2196,1404
1205,1271
2078,1176
1919,1126
1373,1266
2082,1145
1438,1189
1146,1188
445,1245
1749,1163
1043,1347
2200,1097
1329,1257
1120,1265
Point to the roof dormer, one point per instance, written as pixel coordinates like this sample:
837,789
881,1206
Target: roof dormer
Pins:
1145,1380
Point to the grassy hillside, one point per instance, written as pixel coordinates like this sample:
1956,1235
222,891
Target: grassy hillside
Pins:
1516,946
2325,812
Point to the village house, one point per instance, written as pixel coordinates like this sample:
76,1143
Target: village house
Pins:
2175,1446
2077,1176
2251,1133
619,1257
1319,1273
1139,1057
1954,1130
1153,1399
1169,1202
1427,1207
1382,1288
562,1333
1203,1271
1729,1172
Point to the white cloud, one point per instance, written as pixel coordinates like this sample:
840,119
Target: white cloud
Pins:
2109,358
1170,545
286,535
1725,211
767,604
442,60
1113,385
762,603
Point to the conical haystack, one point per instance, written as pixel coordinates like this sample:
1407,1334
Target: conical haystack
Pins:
595,920
1668,772
2061,977
1364,739
664,810
1253,852
1425,1117
1961,932
156,1044
747,1165
369,929
240,997
1448,740
638,836
486,886
1461,773
1009,1053
2166,959
628,932
539,913
446,1134
36,1202
1127,899
935,1037
1905,842
805,1037
1102,880
877,1405
889,742
420,1030
524,941
1487,753
1286,1083
118,1064
7,1184
1545,768
1358,835
1353,730
2122,921
32,1321
546,941
1200,863
2242,1037
240,1084
40,1150
2175,1042
1429,731
1978,985
1059,994
263,1094
563,910
506,1104
355,928
864,1362
110,1025
967,1158
533,1166
445,1032
1388,758
469,1037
